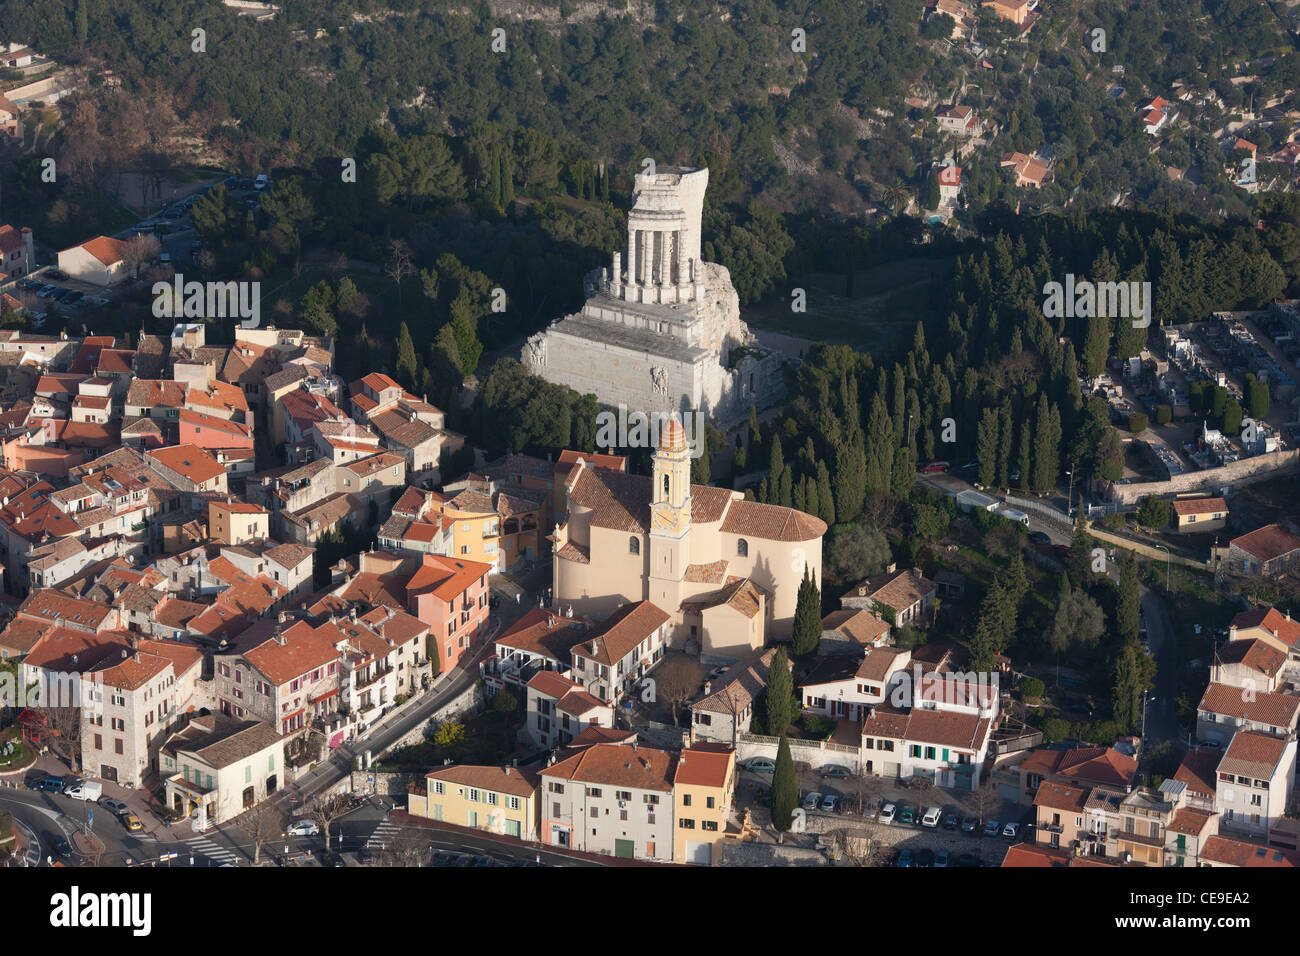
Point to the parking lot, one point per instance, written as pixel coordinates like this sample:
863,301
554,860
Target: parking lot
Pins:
872,794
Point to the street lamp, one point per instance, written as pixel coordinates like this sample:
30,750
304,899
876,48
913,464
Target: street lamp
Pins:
1144,716
1168,562
1069,495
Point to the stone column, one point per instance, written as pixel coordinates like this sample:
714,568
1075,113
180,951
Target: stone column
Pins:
616,285
631,258
681,258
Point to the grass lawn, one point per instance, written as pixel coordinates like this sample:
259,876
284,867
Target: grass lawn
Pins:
20,758
489,739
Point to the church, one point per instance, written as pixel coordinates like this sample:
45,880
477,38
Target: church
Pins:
661,329
725,570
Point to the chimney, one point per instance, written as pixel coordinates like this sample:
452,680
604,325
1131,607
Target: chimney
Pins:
708,688
862,590
893,566
282,617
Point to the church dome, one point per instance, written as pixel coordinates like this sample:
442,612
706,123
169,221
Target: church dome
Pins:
673,437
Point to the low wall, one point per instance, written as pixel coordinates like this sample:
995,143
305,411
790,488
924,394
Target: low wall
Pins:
1244,472
813,752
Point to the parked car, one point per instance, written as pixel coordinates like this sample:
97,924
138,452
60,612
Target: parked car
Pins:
84,790
904,858
941,860
303,828
57,274
907,815
887,813
829,803
991,828
950,820
484,860
1010,831
131,822
115,807
49,783
966,859
761,765
60,844
835,771
925,858
931,818
812,801
970,825
260,182
1040,537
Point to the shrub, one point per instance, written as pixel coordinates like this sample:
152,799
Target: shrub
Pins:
818,728
1164,414
1137,422
1031,688
1154,512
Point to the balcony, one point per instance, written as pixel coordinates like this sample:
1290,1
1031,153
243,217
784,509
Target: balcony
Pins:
368,677
1052,828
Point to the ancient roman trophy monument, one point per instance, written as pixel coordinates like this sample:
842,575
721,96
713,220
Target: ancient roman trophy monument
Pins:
661,330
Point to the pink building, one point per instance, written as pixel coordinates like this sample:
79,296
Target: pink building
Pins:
451,596
211,433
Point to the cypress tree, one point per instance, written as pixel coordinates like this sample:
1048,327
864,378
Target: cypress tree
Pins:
785,787
807,617
1024,458
406,365
778,697
1127,610
850,480
825,500
1004,446
986,447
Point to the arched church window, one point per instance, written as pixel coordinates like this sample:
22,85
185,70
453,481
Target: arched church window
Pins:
742,548
665,486
634,545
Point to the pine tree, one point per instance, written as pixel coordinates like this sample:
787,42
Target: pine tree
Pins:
811,498
807,617
825,499
775,466
904,474
784,491
778,697
492,190
507,181
785,788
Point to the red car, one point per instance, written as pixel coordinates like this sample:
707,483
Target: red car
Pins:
935,466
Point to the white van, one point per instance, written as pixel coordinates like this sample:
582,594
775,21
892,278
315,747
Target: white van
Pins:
90,790
931,819
1011,514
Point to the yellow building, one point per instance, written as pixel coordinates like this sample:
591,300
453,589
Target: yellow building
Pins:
703,786
496,527
236,522
501,800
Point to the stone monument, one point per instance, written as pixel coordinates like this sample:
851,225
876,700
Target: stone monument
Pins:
661,329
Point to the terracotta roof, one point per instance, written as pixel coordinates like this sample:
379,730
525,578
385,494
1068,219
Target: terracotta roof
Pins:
885,722
545,633
552,684
230,743
1229,852
1273,710
1033,855
104,248
947,729
713,573
614,765
1190,821
739,687
578,703
304,649
619,635
1255,654
1199,506
621,502
898,589
860,626
1253,754
1199,770
1266,543
1058,796
702,768
22,634
1097,765
511,780
1271,620
189,461
445,578
771,522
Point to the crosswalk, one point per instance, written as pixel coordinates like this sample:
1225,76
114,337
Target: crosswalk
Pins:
213,850
383,835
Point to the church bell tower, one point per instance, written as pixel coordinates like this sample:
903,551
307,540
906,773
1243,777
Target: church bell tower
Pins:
670,517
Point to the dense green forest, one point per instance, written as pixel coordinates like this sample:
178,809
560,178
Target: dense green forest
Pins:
716,84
